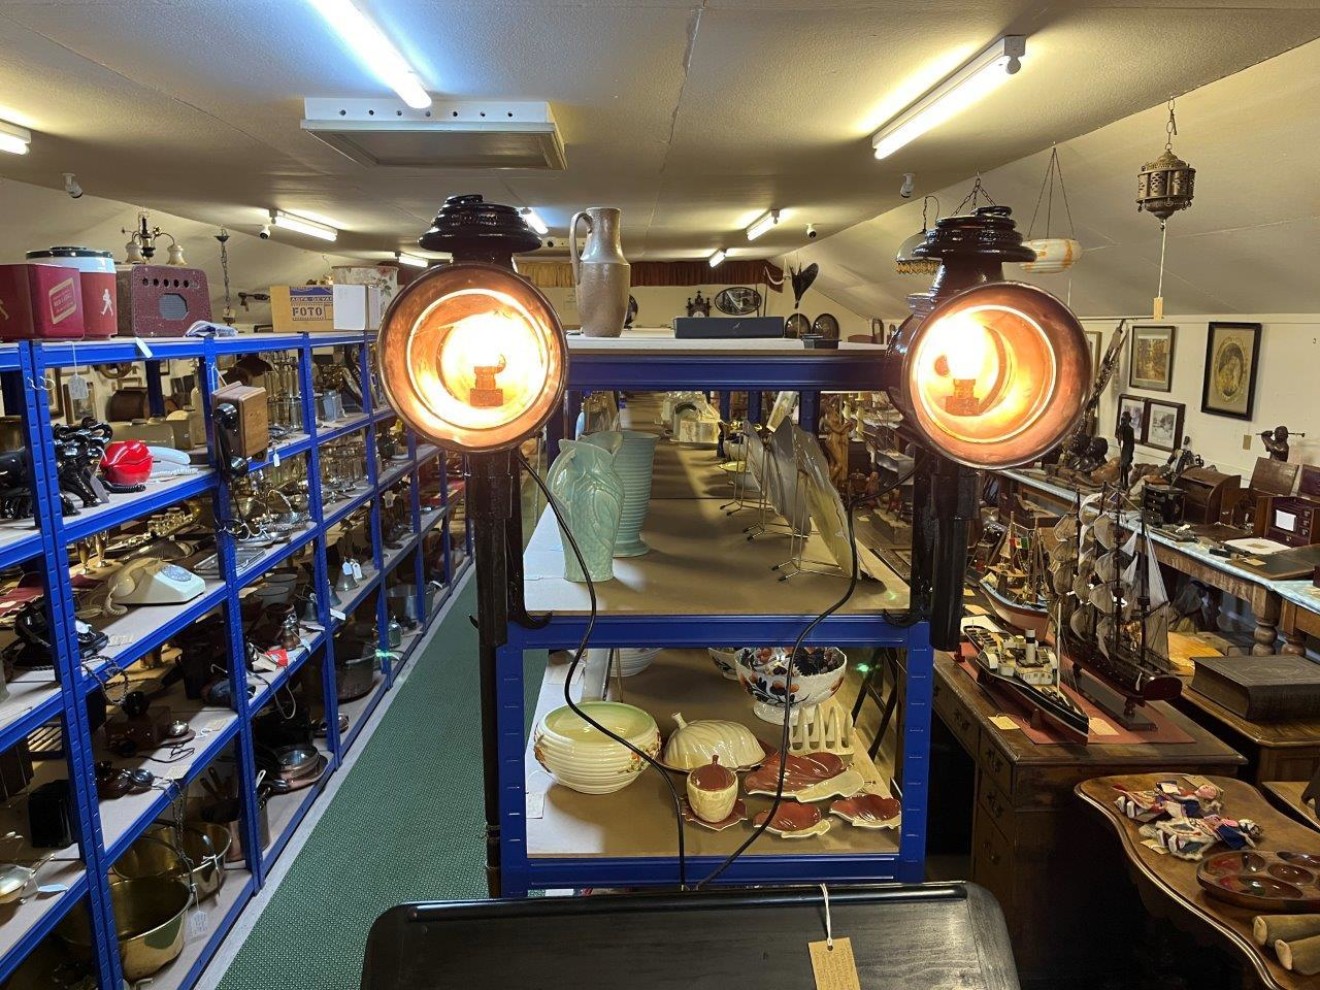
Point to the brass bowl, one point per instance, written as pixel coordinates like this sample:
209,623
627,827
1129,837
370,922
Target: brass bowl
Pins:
149,918
196,855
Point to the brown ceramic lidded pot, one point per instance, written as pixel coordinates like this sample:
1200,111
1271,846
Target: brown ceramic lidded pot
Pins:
712,791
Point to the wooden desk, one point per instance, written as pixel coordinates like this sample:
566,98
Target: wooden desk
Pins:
1028,830
1193,560
1274,750
1175,879
1288,793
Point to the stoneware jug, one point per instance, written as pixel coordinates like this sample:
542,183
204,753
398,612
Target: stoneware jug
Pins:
633,463
590,495
601,272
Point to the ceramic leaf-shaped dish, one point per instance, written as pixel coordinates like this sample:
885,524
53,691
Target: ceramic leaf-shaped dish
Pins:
869,811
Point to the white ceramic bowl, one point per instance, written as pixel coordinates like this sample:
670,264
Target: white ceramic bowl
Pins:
764,673
724,658
582,758
634,660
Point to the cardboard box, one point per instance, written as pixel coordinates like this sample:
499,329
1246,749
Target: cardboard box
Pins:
358,307
299,308
40,302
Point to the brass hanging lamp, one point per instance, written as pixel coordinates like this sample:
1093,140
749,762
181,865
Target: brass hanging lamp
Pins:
1164,187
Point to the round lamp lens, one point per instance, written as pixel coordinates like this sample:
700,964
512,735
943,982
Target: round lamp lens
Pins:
997,375
473,357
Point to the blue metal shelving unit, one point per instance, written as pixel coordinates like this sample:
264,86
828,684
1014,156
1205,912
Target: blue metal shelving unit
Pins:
670,366
105,830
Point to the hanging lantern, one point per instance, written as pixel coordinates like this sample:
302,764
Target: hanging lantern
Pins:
1165,185
1053,254
906,262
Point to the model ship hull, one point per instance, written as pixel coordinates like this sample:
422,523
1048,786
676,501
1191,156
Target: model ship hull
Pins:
1018,614
1131,677
1047,703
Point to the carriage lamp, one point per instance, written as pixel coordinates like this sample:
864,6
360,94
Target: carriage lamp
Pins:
473,357
988,374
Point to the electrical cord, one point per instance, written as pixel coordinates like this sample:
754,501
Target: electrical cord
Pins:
577,659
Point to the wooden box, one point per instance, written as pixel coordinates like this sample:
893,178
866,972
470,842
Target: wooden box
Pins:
250,436
161,300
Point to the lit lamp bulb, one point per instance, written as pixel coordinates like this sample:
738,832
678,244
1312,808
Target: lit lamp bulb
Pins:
969,346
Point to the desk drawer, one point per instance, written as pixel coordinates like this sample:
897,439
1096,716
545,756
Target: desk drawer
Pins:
956,716
994,803
994,763
993,867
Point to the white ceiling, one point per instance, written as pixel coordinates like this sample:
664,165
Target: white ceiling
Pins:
1247,244
694,116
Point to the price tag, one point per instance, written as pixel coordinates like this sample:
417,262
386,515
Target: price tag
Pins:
174,772
78,390
1003,722
336,614
834,967
357,570
143,349
1100,727
199,924
275,459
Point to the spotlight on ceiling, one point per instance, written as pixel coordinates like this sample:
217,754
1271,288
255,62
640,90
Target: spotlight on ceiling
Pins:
367,41
985,73
534,220
14,139
411,260
717,258
762,224
473,356
312,228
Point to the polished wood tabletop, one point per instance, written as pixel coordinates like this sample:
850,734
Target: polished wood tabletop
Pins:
1288,794
1176,878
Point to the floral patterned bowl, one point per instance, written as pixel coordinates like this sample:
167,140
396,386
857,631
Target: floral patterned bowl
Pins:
582,758
724,658
817,673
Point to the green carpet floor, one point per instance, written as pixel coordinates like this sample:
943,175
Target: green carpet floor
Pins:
405,825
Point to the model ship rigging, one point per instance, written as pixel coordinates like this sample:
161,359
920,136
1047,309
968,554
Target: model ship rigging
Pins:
1015,581
1114,611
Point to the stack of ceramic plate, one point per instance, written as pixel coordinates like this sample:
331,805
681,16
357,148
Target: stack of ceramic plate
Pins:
582,758
634,660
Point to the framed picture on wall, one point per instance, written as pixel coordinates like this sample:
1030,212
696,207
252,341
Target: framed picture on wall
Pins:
1231,355
1164,424
1136,406
1150,360
1095,340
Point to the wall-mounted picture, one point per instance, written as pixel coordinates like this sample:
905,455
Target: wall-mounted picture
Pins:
1095,339
1231,353
1150,362
1164,424
1135,405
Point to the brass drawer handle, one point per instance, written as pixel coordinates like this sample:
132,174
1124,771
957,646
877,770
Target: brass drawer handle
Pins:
990,854
994,804
993,759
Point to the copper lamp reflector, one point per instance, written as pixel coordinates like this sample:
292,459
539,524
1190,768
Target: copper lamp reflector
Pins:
997,375
473,357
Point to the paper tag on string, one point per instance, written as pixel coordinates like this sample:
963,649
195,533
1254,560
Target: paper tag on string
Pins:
275,458
834,968
357,571
78,390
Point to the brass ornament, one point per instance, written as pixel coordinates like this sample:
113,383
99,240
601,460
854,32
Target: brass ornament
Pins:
1166,185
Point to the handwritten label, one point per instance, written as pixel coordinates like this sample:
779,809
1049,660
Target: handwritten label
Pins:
1003,722
834,968
1100,727
78,390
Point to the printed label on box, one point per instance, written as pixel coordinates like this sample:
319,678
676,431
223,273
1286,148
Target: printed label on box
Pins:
62,300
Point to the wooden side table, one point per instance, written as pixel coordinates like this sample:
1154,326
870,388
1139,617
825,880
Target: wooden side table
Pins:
1029,832
1288,795
1175,879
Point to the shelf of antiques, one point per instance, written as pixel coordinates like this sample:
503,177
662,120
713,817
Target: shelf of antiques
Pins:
708,564
169,610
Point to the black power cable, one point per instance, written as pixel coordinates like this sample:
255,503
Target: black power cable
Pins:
577,659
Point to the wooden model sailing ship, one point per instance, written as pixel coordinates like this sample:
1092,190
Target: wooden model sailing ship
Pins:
1114,611
1031,671
1015,581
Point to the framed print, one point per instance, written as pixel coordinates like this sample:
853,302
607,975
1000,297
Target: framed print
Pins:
1095,339
1164,424
1231,352
1135,405
1150,360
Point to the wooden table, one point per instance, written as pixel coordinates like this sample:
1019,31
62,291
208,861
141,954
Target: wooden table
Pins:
1288,793
1175,879
1272,614
1028,830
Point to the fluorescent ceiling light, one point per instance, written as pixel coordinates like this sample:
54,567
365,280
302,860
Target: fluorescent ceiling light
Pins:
412,260
366,40
762,224
717,258
14,139
304,226
982,75
534,220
